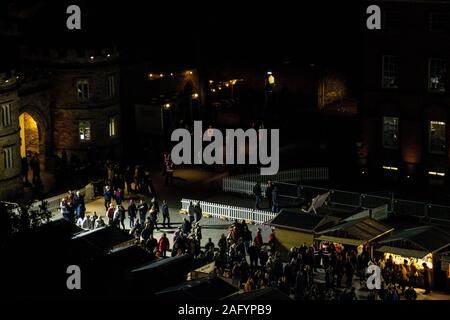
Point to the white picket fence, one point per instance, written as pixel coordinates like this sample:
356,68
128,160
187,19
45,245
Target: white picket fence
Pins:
222,211
243,184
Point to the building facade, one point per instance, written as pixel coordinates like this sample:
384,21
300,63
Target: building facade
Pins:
10,165
61,102
405,102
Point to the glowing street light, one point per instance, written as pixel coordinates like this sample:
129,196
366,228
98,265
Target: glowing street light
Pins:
195,96
167,106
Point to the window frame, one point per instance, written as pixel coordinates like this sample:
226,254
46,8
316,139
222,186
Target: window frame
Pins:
430,150
112,126
383,126
112,85
6,114
82,95
8,159
84,127
444,65
385,72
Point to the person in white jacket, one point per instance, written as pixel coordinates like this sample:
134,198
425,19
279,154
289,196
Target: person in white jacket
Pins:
85,223
99,223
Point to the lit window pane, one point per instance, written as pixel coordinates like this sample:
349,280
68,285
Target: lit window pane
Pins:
437,137
85,130
437,72
390,132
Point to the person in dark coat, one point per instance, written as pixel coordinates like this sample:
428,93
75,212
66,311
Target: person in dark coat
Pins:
275,206
253,252
268,193
426,278
132,212
142,208
165,214
107,195
257,194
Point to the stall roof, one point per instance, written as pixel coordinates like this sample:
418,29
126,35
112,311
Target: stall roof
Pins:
260,294
362,230
103,238
300,221
427,238
207,288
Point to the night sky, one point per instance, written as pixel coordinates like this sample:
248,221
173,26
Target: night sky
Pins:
224,32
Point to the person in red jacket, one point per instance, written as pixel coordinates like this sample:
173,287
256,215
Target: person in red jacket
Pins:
163,245
258,238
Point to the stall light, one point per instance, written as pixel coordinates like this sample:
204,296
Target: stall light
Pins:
390,168
213,90
108,55
211,81
227,85
161,75
220,88
92,57
269,72
167,106
434,173
171,74
150,75
195,95
7,80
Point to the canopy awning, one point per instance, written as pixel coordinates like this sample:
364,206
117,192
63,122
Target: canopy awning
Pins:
409,253
352,242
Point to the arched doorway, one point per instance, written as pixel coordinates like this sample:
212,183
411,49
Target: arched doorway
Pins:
30,135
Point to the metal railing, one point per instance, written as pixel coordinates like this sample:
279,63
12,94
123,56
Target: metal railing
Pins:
243,184
222,211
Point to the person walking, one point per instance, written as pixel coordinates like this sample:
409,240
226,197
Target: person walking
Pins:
110,214
107,195
197,211
165,214
191,212
275,206
257,194
132,212
142,208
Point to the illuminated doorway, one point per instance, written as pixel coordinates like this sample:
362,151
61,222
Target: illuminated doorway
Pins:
29,135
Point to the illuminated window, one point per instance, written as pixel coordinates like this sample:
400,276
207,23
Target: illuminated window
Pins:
112,86
112,126
6,115
390,132
390,72
85,130
439,22
437,137
8,157
437,72
83,90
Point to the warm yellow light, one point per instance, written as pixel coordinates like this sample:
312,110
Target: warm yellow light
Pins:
220,88
390,168
211,81
195,95
213,90
398,259
233,82
434,173
150,75
161,75
167,106
271,79
227,85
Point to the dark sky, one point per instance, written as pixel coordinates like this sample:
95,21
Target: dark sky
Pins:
243,31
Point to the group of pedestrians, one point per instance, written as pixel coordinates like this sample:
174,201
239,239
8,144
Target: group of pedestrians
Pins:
270,193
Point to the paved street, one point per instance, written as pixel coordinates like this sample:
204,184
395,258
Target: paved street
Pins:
203,185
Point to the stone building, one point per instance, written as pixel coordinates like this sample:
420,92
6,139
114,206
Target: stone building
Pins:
10,180
64,100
